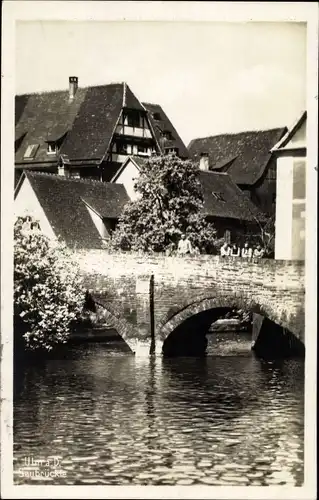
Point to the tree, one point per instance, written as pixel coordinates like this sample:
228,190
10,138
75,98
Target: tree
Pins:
170,204
265,235
48,295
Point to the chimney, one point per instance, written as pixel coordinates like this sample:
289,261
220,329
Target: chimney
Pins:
73,85
204,162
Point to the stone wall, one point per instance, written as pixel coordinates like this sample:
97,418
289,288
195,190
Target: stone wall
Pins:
184,286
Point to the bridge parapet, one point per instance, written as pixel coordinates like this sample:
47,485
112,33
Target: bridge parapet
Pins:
274,288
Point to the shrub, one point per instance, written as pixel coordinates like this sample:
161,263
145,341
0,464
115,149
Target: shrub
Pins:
48,293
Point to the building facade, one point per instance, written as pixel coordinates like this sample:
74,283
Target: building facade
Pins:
291,158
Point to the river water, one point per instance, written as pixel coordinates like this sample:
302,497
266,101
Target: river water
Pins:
102,416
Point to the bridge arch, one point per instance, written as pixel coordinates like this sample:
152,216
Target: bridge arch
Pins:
221,301
107,314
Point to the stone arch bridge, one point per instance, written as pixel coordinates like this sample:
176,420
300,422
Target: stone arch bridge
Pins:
147,297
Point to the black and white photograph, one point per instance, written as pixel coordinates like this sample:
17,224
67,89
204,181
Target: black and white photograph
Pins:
158,248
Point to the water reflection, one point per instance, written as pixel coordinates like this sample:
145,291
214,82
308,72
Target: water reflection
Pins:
115,419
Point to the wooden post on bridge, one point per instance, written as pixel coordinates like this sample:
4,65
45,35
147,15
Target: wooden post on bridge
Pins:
152,350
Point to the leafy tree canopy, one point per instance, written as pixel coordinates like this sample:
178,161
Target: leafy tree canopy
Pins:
170,204
48,295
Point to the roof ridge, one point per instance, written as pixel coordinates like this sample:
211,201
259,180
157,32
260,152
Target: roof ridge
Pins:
151,104
238,133
64,178
41,92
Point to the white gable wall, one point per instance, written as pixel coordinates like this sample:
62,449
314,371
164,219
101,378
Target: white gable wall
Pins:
128,177
27,203
298,140
291,199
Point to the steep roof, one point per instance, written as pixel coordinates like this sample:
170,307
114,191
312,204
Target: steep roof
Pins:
64,202
89,120
283,142
86,123
95,122
38,115
161,123
244,155
234,204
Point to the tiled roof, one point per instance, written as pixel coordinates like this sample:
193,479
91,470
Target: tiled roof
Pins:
94,125
234,203
64,203
164,124
87,123
89,118
40,114
130,101
248,152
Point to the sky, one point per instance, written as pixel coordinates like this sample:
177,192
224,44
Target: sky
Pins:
209,77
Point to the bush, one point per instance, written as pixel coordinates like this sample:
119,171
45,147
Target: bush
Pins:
48,293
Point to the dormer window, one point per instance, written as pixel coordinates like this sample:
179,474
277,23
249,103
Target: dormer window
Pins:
157,116
30,152
52,148
55,140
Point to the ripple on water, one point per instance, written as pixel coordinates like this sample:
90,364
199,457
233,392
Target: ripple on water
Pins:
226,420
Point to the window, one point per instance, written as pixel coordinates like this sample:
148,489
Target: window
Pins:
171,151
298,208
30,225
133,119
157,116
168,135
299,180
31,151
298,230
121,148
218,196
142,149
52,148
